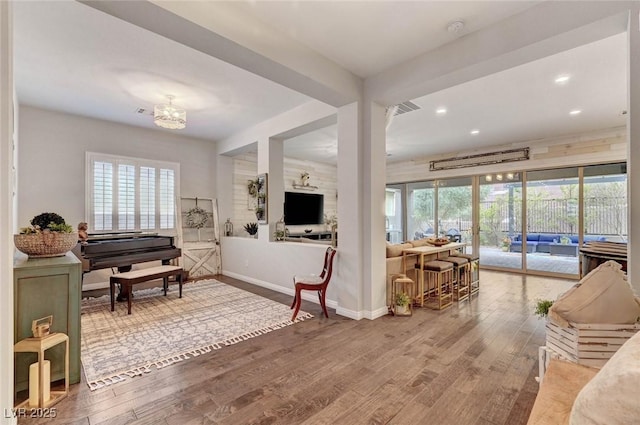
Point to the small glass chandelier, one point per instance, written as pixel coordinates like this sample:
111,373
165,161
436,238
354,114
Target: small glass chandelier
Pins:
170,116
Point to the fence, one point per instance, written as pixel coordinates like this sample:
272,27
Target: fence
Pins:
602,216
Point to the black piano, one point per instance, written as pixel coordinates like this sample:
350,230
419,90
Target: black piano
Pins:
122,250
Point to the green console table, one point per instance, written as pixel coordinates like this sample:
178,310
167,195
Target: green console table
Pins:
47,287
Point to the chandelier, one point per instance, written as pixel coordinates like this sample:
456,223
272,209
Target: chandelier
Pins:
169,116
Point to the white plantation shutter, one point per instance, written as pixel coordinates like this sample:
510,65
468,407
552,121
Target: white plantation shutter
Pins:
126,197
102,195
167,199
147,198
127,194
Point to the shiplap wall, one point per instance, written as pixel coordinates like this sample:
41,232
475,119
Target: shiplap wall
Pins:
590,148
245,168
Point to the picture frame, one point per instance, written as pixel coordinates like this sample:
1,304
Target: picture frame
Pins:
262,203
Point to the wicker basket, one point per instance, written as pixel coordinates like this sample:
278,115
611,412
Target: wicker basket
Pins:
45,244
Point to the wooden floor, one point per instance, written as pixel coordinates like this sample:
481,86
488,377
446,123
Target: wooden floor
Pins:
470,364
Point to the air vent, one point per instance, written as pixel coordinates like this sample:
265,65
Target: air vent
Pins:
141,111
405,107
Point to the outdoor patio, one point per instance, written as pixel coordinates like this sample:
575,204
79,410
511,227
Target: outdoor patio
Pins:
495,257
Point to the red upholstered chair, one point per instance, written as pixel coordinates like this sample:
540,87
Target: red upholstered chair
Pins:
314,283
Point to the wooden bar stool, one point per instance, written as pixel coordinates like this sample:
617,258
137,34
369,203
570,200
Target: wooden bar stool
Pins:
439,278
474,272
461,277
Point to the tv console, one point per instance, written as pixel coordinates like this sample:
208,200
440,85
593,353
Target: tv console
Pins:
324,235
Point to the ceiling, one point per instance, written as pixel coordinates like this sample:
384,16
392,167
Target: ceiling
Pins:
72,58
519,104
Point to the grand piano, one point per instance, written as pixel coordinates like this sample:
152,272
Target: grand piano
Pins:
122,250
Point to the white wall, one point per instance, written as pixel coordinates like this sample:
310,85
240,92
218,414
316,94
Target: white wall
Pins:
596,147
7,106
245,167
273,265
52,160
51,163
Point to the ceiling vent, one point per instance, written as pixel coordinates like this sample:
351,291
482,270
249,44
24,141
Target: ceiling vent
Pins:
141,111
405,107
480,159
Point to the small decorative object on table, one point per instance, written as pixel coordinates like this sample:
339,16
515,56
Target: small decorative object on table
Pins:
48,236
281,230
251,228
308,230
82,231
438,241
228,228
41,327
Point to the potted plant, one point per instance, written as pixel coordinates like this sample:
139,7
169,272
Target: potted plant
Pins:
259,213
251,228
542,307
48,236
402,303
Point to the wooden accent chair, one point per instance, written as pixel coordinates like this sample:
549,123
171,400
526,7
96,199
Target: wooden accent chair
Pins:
314,283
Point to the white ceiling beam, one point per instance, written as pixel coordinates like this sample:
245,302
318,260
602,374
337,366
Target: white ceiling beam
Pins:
538,32
209,28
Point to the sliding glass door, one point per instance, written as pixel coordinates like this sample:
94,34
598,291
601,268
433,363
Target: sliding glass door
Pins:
553,211
532,221
501,221
455,210
393,207
420,210
605,203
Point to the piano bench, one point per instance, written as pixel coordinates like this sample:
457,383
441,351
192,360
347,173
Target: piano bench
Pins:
128,279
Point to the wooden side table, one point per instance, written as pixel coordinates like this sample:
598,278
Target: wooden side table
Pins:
40,345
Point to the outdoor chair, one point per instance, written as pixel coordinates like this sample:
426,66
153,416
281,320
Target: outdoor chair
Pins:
314,283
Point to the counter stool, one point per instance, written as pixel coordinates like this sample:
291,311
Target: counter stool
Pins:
474,271
461,277
439,278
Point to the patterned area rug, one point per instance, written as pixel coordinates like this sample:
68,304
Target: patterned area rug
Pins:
164,330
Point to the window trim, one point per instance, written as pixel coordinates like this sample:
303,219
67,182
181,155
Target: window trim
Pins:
90,157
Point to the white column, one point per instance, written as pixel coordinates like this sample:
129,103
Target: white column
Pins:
270,161
6,210
348,267
633,156
373,199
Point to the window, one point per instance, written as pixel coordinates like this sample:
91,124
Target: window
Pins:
127,194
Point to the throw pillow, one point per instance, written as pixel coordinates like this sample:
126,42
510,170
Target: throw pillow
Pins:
612,397
591,300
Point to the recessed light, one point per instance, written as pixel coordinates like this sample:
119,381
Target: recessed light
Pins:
575,112
441,110
474,132
562,79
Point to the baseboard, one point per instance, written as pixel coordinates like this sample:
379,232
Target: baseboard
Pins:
364,314
306,295
95,285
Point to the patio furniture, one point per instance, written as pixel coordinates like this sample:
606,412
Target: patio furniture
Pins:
563,249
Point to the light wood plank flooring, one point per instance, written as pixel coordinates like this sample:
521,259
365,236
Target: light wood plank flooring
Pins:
474,363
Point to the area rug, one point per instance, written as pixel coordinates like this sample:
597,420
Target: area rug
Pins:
164,330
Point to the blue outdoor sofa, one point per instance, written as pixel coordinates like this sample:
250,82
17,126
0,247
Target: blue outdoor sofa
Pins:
544,242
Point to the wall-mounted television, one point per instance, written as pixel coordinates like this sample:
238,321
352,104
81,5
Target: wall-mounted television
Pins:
303,208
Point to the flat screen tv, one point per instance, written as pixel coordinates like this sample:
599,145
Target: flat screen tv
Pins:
303,208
